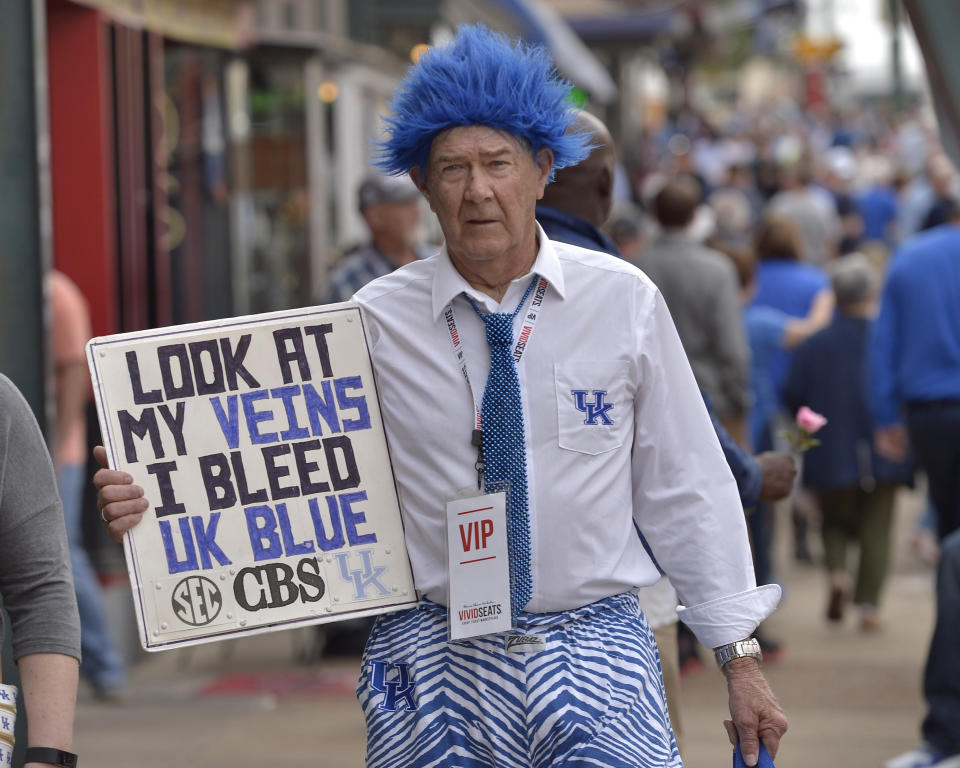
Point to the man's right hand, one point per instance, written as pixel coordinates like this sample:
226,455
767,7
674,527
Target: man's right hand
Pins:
779,472
892,442
120,502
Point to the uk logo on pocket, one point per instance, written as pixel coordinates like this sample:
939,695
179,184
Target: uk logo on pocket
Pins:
597,411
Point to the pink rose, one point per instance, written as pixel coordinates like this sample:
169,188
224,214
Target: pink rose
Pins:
810,421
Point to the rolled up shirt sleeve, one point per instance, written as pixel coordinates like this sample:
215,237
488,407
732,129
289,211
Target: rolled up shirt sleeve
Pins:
685,499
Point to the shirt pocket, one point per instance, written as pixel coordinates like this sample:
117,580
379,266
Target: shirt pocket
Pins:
593,411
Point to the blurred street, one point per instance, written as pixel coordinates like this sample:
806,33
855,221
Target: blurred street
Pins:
852,699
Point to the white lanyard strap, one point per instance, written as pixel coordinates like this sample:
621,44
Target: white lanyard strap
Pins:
461,359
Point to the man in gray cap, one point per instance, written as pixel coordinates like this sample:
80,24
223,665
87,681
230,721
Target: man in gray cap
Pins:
390,207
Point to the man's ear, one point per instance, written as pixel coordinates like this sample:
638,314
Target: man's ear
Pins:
544,162
605,182
420,182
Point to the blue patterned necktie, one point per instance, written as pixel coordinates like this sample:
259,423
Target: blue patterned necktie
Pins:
504,451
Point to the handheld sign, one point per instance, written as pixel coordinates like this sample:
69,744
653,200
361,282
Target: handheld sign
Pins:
259,443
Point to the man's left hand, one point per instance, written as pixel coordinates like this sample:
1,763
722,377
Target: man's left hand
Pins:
779,472
755,710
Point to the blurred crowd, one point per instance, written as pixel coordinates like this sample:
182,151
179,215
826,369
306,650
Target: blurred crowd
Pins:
793,198
840,230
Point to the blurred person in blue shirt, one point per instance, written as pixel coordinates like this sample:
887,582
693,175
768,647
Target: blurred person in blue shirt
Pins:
915,386
878,203
785,283
915,363
798,289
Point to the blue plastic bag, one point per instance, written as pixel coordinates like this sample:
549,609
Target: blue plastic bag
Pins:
763,761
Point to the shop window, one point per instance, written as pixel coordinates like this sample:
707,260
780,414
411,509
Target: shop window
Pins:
279,275
197,184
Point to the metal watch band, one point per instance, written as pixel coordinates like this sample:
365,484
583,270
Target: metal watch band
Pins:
50,755
738,650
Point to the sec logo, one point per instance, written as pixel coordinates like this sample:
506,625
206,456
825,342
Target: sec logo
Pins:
196,600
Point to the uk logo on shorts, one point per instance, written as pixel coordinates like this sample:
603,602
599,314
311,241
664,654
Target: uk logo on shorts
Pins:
397,689
598,409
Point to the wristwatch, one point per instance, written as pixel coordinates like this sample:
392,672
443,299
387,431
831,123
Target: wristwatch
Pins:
51,756
738,650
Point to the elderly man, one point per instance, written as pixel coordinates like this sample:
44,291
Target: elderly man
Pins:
590,422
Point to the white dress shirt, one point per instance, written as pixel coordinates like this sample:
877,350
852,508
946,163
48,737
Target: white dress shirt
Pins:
603,327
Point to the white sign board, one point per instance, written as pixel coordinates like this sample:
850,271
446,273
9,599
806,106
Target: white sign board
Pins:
259,443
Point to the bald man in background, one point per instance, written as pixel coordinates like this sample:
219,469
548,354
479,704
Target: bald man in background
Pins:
578,201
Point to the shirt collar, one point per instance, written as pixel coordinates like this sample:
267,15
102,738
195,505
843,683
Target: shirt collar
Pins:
448,283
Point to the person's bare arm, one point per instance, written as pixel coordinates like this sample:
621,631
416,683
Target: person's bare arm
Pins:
779,473
819,316
73,389
49,682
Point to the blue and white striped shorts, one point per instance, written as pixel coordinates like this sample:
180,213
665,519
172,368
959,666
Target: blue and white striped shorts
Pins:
592,697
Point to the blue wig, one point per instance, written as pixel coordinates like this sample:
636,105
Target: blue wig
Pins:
481,78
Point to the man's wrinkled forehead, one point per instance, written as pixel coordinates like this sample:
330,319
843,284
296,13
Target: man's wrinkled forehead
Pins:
445,145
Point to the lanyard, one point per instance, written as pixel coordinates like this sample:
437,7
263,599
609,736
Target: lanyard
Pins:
526,332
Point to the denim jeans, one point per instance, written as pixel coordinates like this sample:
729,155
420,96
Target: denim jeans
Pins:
935,439
941,684
101,664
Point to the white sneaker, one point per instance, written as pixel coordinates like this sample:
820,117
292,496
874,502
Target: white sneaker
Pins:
923,756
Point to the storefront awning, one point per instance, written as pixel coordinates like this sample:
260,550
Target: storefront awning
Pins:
219,23
542,24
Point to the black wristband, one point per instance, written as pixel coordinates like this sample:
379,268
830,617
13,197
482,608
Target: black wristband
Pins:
50,755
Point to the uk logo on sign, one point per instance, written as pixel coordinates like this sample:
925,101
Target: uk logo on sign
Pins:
598,409
367,577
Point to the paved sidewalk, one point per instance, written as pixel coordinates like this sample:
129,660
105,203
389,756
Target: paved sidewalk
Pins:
852,699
